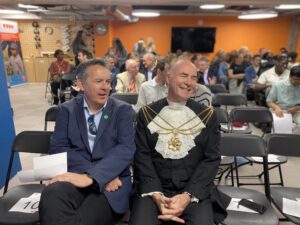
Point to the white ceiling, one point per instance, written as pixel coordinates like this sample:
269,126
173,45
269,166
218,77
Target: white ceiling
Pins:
101,9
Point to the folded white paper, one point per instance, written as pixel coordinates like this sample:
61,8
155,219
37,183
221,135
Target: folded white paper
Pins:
271,158
27,205
291,207
283,124
45,168
233,205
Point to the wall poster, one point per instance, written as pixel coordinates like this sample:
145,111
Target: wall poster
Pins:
12,53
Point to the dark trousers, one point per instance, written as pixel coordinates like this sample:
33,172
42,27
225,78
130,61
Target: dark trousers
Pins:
145,212
64,204
54,89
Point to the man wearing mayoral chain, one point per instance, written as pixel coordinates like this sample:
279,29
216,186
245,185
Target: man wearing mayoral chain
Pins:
177,157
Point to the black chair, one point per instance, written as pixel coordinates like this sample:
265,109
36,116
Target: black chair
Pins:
50,116
256,115
284,145
130,98
66,81
29,142
228,99
217,88
234,145
250,115
226,161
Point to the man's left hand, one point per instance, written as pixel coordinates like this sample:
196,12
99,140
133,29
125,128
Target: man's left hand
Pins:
78,180
180,201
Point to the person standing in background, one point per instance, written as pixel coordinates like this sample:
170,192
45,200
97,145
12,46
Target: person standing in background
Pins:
77,45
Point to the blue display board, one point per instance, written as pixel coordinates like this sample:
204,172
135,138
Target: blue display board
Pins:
7,129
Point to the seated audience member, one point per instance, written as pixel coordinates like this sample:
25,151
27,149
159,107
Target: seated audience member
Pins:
236,75
149,61
155,89
273,75
247,60
56,70
177,157
202,95
151,47
131,79
202,65
267,62
84,55
284,51
119,53
292,56
285,97
223,69
97,133
261,52
251,76
141,49
110,65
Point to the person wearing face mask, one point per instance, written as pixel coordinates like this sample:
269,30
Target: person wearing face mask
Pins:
177,157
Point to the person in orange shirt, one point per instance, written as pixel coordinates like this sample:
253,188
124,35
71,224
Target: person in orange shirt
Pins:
56,69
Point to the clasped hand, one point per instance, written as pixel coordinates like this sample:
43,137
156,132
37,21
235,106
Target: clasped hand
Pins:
171,208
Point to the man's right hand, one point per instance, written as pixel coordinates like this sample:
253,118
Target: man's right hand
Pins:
113,185
278,112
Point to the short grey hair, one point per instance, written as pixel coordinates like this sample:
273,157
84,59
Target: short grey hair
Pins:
81,71
151,56
107,58
129,62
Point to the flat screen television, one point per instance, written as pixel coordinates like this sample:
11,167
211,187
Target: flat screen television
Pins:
193,39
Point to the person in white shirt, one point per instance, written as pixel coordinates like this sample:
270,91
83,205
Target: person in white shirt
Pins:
156,88
271,76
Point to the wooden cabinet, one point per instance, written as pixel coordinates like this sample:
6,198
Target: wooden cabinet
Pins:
37,68
41,66
29,68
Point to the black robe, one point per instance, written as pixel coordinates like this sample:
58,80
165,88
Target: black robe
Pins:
194,173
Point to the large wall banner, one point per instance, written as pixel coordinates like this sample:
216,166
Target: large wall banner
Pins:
7,128
12,53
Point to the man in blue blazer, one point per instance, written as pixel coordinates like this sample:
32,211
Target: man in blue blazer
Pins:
97,133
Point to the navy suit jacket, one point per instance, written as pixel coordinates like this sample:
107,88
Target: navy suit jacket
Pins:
113,148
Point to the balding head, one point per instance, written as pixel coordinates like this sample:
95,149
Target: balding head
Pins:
132,67
182,80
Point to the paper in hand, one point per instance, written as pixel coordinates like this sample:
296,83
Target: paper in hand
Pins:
45,168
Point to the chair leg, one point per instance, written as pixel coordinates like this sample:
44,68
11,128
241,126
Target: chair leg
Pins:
280,174
232,179
272,167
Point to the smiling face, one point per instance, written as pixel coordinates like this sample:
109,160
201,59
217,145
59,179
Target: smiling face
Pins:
182,81
96,87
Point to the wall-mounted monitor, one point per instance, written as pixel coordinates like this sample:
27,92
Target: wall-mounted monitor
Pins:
193,39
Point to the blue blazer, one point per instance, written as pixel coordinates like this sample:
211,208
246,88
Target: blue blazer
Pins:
113,148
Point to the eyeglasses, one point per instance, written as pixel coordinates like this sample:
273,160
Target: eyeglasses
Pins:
92,125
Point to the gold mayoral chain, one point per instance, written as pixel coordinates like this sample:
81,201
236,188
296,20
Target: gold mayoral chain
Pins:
175,143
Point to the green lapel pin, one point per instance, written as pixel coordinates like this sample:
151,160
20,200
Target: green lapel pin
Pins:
105,117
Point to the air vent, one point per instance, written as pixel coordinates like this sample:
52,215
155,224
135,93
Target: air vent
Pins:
160,7
241,7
